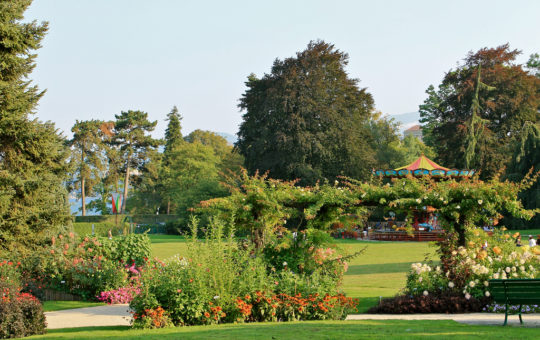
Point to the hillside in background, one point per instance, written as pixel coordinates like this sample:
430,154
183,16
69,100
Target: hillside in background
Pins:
406,120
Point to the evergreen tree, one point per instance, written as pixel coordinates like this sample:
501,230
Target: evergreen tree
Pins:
133,144
526,157
173,138
306,119
87,158
173,133
33,167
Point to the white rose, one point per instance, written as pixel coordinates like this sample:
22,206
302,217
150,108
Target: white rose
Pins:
480,201
472,284
451,284
426,293
487,294
467,296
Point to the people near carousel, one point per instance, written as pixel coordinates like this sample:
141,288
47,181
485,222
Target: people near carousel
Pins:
532,241
518,241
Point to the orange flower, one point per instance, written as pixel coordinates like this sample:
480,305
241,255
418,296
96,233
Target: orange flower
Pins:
206,314
497,250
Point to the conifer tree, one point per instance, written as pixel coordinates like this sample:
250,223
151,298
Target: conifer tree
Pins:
133,143
33,167
88,157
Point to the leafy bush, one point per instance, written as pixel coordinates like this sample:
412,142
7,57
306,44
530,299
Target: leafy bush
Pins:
86,266
100,228
467,270
10,277
132,248
220,280
21,314
441,303
120,295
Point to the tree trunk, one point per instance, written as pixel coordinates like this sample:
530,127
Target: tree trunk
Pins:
461,232
126,185
83,197
168,206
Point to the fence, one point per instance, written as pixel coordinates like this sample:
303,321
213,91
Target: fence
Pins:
419,236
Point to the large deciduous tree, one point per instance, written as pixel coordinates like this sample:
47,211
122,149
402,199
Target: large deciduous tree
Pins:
479,109
33,166
306,119
131,137
87,158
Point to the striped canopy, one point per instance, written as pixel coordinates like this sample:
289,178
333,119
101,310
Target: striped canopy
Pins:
423,163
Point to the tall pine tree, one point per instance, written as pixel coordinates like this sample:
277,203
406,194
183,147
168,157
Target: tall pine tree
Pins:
87,158
131,138
33,167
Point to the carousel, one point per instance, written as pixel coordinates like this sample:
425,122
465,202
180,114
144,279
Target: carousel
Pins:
424,166
425,223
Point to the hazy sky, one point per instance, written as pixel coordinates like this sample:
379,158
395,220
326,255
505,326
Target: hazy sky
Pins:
104,56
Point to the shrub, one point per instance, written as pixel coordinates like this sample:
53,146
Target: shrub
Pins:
221,280
21,314
120,295
467,270
132,248
442,303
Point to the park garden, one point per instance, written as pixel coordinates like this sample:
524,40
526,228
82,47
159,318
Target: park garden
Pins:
205,239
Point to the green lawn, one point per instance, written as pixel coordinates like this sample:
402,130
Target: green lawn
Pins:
368,329
51,306
526,232
380,271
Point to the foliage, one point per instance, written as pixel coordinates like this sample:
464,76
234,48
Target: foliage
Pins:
33,165
120,295
132,143
89,265
87,158
224,281
261,205
21,315
306,119
467,270
508,98
526,157
443,303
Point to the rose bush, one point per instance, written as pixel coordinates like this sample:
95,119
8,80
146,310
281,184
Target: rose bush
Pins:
467,270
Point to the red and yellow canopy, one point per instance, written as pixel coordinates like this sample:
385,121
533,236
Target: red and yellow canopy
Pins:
423,163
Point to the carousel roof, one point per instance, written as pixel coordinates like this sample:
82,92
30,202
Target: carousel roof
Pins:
423,163
424,166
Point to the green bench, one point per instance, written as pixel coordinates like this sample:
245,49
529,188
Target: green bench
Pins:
515,292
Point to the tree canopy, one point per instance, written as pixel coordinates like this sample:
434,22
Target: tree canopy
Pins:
479,109
306,119
33,166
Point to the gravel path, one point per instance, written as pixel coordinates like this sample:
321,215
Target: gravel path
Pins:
118,315
529,320
109,315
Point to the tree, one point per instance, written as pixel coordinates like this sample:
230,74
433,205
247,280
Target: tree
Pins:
306,119
479,110
173,133
173,138
133,143
88,157
526,157
33,167
533,64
